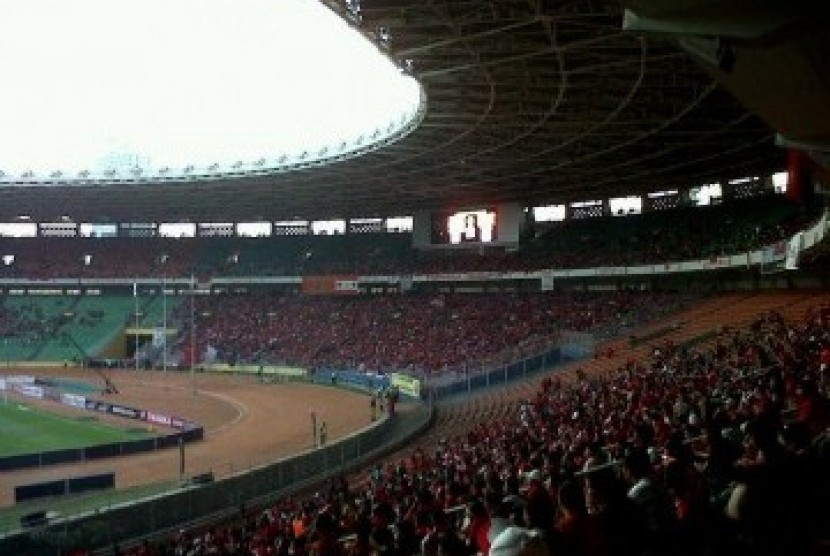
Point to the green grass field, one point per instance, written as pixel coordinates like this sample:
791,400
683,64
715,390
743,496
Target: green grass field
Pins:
25,430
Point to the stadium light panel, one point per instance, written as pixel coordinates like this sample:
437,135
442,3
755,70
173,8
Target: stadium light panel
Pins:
153,90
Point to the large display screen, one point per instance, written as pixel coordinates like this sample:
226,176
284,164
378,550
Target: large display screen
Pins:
471,226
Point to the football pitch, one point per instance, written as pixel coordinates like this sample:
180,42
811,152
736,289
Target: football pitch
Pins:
26,430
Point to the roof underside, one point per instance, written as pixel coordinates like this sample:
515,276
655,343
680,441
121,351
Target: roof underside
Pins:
530,101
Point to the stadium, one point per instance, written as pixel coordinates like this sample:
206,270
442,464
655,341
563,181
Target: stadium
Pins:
398,278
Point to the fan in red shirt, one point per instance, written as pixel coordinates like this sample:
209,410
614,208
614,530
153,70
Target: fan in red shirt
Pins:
478,528
580,532
324,537
811,408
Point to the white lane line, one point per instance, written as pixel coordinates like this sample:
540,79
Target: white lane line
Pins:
242,410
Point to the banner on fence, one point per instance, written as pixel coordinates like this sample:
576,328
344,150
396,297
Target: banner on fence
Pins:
18,379
125,411
158,418
406,384
28,390
73,400
266,370
93,405
330,285
371,381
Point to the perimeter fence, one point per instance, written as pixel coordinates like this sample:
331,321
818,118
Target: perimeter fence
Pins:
192,504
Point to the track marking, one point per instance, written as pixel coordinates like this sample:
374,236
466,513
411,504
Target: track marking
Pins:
242,410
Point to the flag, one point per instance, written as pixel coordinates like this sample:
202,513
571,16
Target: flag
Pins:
793,251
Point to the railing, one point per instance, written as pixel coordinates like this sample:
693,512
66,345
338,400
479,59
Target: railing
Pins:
500,374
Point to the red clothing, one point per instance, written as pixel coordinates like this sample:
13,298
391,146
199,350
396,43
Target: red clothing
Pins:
583,535
813,412
359,548
327,545
477,532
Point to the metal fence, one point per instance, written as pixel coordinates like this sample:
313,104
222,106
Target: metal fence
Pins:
485,378
88,453
30,386
194,504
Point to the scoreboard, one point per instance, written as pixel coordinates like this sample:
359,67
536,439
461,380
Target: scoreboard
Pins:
471,226
496,225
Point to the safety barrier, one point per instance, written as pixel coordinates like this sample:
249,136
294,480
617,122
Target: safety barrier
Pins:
75,455
502,374
194,504
64,487
186,431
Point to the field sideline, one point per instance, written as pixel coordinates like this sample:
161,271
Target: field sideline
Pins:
25,429
246,425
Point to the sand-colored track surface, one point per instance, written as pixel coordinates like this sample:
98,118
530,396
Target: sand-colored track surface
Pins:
246,424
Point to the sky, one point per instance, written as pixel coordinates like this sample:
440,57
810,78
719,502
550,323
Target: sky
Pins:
96,84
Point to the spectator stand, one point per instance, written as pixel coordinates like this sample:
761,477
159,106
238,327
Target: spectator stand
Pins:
415,502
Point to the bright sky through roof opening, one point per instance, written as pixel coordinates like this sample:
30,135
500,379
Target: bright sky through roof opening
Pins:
149,88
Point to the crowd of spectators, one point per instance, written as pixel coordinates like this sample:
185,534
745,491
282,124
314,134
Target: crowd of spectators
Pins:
46,257
693,451
660,236
668,236
416,333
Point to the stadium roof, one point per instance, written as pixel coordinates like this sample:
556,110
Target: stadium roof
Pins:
532,101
